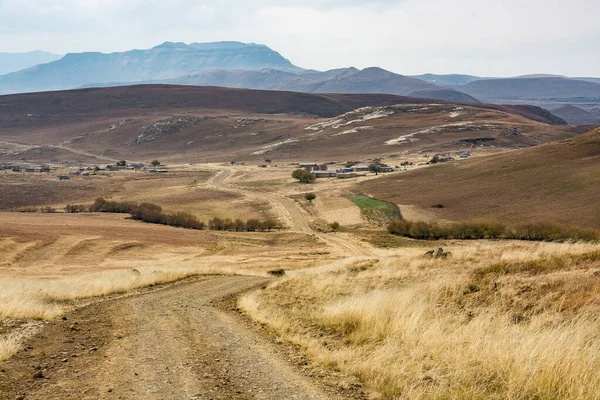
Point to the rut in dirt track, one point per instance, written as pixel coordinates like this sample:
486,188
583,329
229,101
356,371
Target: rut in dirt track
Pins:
167,344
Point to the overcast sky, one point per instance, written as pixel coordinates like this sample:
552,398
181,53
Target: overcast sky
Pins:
481,37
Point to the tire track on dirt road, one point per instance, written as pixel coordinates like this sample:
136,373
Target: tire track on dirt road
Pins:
167,344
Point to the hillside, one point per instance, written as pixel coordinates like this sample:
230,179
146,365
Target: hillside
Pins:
187,123
556,181
12,62
576,115
166,61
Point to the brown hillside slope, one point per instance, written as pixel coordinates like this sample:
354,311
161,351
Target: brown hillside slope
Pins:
557,181
199,124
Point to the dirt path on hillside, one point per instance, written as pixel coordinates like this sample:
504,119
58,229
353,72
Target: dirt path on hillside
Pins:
294,216
173,343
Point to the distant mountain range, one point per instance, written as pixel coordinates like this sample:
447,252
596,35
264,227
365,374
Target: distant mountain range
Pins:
166,61
256,66
12,62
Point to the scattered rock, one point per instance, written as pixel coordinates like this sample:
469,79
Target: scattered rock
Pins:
39,374
439,253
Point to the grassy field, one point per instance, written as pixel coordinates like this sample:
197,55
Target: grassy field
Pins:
376,211
553,182
415,328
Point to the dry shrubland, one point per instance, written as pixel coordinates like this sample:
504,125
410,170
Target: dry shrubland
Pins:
498,320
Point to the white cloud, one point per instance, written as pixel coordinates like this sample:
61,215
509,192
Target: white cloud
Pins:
411,36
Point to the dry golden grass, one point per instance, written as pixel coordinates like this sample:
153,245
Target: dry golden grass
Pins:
8,346
51,262
27,298
46,299
415,328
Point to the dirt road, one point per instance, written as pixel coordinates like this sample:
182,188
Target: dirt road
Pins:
297,220
168,344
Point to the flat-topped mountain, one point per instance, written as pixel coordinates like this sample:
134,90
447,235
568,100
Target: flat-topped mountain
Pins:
166,61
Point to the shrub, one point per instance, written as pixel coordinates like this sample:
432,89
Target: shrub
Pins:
334,226
216,224
239,225
310,196
269,224
147,212
29,209
303,176
76,208
253,225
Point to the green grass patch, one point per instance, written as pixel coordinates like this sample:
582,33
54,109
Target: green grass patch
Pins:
376,211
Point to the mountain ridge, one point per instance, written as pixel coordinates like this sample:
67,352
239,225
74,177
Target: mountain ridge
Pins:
13,62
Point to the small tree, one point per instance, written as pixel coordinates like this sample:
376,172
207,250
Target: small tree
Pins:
303,176
155,163
310,196
375,166
121,163
239,225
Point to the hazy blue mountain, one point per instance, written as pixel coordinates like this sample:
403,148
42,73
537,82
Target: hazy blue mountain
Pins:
166,61
343,80
595,80
523,88
448,80
12,62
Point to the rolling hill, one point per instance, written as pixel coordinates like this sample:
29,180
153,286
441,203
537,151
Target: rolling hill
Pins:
188,123
343,80
556,181
576,115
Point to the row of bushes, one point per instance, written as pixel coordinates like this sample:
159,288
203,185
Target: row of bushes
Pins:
251,225
33,209
541,231
153,213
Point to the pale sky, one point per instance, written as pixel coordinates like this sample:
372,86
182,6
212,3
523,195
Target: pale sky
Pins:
480,37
